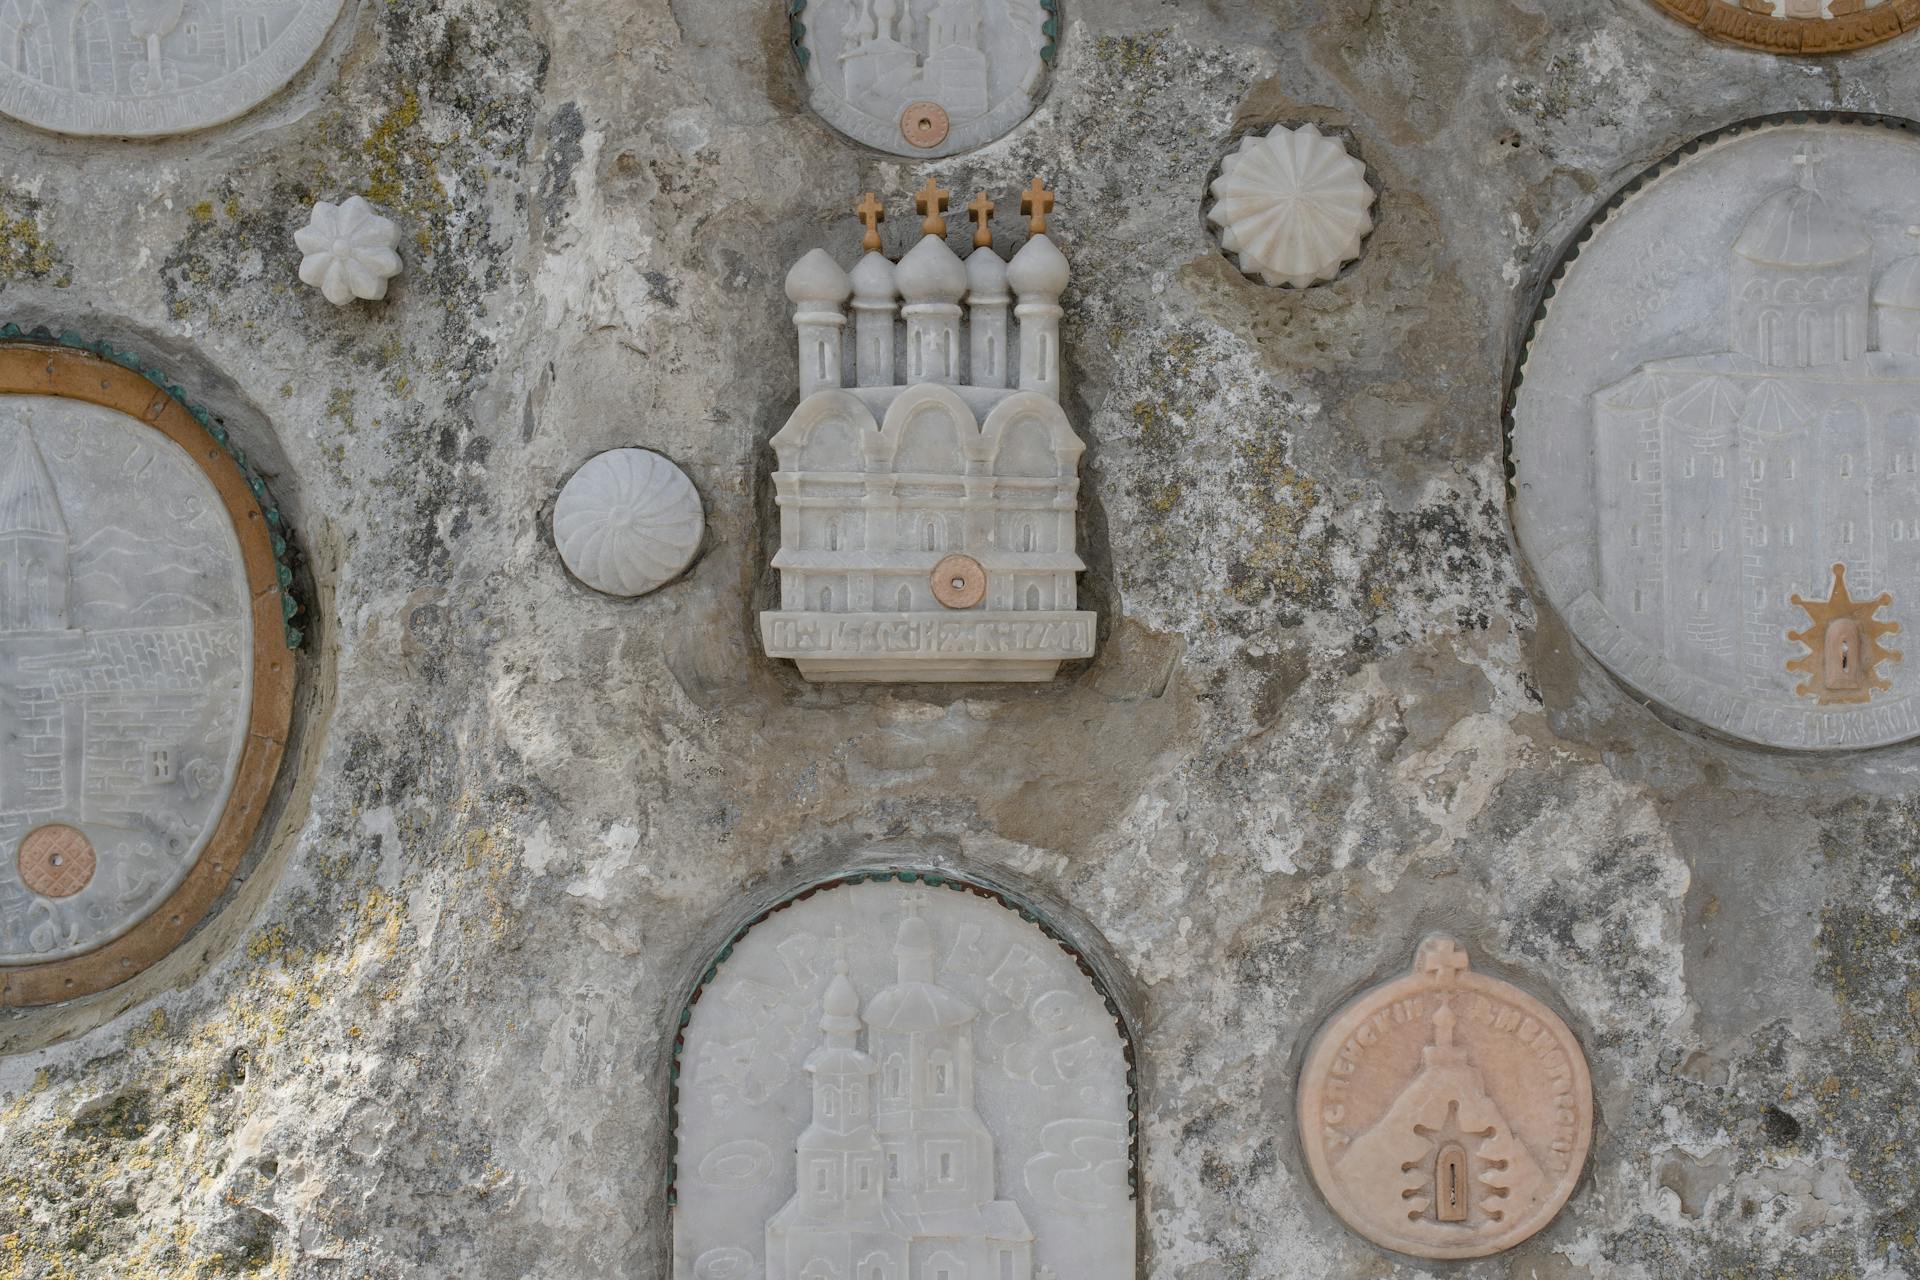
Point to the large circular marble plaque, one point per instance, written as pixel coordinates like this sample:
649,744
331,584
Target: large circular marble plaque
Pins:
145,683
1716,435
144,68
1798,26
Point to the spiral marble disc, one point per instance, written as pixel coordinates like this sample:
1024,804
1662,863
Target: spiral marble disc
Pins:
627,522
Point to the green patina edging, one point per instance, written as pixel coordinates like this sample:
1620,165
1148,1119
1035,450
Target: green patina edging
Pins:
276,527
797,32
936,879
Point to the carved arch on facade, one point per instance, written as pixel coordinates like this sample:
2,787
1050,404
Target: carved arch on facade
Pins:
913,407
817,410
1028,409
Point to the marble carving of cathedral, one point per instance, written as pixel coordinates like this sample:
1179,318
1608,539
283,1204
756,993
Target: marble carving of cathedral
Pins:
1730,483
951,441
896,1170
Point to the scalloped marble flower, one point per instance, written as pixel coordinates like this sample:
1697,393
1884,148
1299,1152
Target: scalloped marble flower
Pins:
1293,206
349,251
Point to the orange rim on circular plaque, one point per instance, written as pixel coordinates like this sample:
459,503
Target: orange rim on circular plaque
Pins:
1730,21
958,582
33,368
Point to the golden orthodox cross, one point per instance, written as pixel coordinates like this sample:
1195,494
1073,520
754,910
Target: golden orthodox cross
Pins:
1036,202
872,213
932,201
981,209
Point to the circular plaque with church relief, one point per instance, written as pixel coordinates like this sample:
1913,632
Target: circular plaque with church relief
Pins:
925,79
145,68
145,679
1716,435
1798,26
1446,1114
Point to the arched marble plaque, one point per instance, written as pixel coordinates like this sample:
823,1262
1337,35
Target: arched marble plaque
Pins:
1798,26
145,68
925,79
879,1077
1716,435
145,683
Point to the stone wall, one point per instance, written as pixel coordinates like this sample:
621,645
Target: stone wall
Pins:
429,1035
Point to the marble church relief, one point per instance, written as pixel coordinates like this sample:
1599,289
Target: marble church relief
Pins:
925,77
884,1081
143,68
1798,26
1446,1114
928,502
1716,436
144,678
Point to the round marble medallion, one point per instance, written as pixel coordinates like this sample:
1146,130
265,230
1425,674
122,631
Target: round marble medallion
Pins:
1798,26
147,68
924,80
1446,1114
627,522
145,683
1716,442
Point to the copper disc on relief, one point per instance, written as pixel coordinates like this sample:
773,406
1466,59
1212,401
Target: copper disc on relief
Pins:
1800,29
924,124
55,861
1446,1114
959,582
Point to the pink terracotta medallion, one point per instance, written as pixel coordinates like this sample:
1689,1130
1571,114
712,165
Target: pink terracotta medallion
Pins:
1446,1114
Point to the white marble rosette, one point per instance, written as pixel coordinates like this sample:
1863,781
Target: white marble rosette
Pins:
348,251
1292,206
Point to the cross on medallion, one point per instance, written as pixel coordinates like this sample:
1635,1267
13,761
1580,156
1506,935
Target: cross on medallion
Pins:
1036,202
981,209
1443,958
932,201
871,213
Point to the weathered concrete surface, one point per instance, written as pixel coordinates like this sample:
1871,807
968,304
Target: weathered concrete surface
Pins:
427,1037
